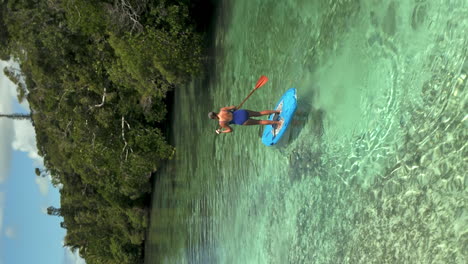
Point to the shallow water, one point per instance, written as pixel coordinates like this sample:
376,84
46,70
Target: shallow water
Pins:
375,169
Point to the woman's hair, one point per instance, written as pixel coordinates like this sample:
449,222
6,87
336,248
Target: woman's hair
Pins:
212,115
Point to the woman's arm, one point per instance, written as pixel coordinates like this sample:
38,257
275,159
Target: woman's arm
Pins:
228,108
227,128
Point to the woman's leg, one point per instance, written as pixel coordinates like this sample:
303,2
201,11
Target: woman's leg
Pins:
265,112
251,122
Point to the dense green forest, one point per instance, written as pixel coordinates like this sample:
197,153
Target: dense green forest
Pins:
97,74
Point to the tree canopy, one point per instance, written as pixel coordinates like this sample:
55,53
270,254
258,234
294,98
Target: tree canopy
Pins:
96,76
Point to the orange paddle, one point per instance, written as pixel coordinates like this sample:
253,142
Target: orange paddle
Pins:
263,79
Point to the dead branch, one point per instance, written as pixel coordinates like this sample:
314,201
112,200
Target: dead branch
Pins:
77,11
94,137
127,15
102,102
61,97
125,148
54,5
67,129
131,14
103,99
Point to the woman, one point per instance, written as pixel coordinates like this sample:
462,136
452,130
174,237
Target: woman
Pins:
230,115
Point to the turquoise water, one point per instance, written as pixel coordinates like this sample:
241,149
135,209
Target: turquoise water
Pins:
375,169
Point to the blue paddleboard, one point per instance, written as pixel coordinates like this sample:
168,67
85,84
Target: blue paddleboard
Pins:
287,105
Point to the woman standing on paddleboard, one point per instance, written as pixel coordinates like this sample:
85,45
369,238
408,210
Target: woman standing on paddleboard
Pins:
230,115
234,115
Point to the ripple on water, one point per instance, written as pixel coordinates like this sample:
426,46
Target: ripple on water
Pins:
389,25
419,15
382,179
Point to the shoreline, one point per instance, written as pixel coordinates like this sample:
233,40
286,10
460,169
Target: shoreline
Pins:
166,171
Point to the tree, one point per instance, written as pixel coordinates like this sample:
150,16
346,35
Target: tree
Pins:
14,74
96,75
17,116
54,211
40,173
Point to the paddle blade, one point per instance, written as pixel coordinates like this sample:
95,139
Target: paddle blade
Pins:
263,79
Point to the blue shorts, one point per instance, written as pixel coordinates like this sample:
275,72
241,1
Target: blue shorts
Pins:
239,117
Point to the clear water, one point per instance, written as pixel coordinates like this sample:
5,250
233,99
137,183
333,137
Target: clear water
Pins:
375,170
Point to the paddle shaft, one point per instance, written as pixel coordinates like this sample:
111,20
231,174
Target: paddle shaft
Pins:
263,79
238,107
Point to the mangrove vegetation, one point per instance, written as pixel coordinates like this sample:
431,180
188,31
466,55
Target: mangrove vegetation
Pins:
97,75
